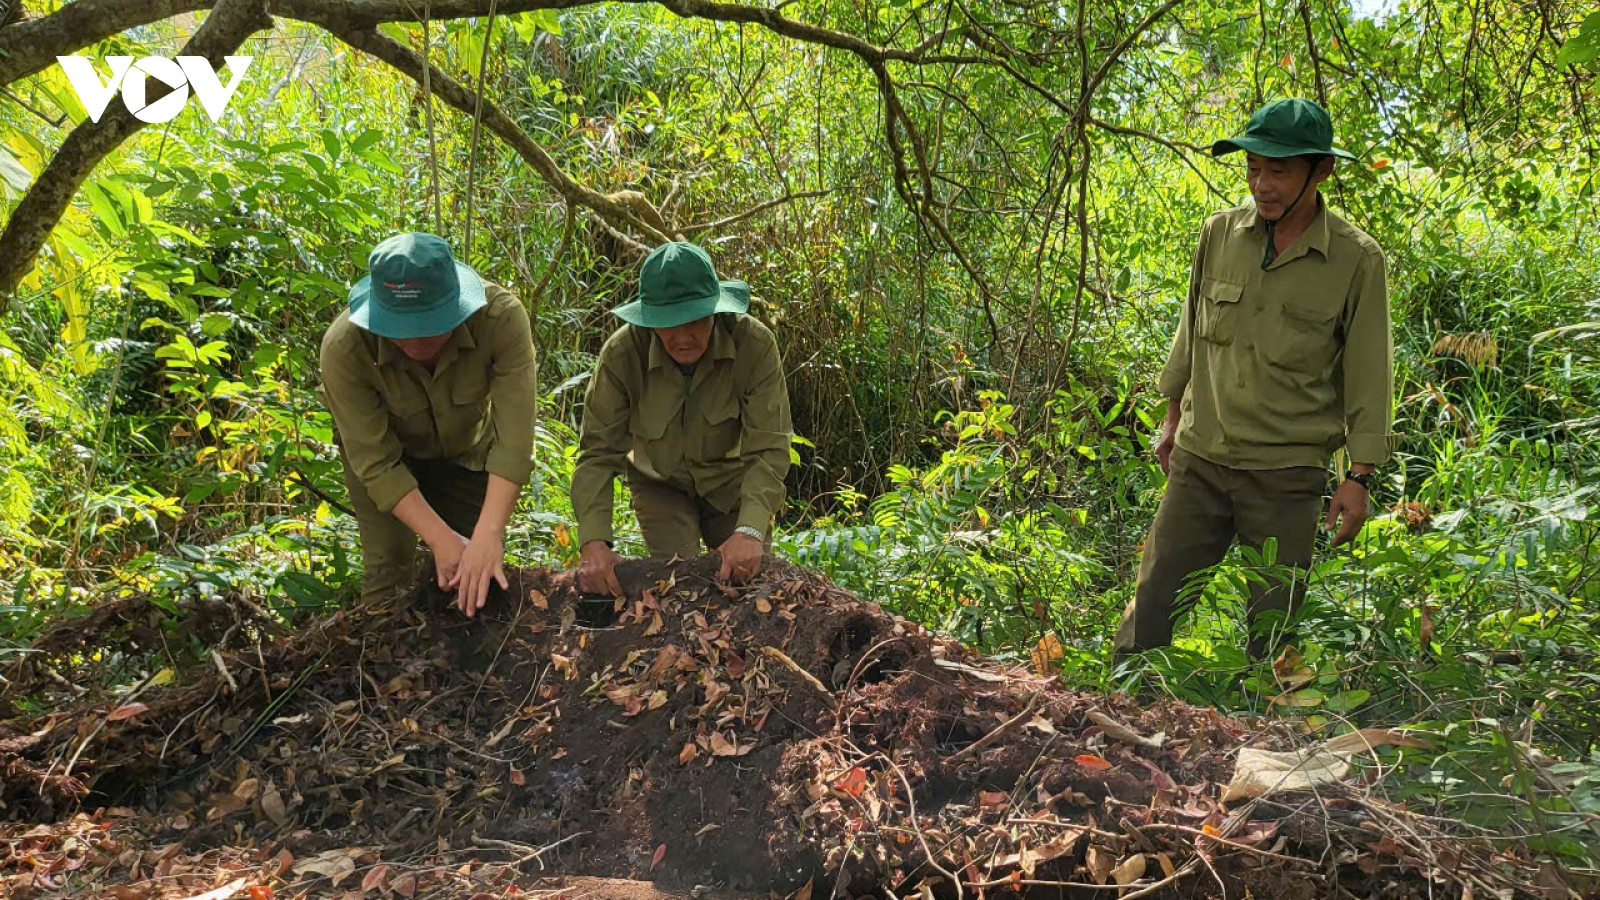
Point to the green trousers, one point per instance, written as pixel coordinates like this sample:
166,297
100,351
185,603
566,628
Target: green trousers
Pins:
1205,507
388,546
675,523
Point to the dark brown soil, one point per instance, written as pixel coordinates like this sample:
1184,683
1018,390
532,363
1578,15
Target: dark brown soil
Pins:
757,740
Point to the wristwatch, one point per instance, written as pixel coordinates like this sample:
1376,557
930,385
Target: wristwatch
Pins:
752,532
1362,478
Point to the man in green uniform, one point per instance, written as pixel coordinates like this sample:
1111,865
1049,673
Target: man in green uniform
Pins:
1282,356
688,402
429,376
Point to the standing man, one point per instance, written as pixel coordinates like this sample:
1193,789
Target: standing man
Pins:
688,402
429,376
1283,355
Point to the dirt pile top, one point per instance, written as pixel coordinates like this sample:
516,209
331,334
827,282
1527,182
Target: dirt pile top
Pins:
785,738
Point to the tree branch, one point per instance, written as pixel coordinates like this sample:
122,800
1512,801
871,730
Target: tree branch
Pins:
621,208
230,23
753,211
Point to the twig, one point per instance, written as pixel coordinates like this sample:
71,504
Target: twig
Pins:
811,679
320,494
991,737
216,658
529,852
911,808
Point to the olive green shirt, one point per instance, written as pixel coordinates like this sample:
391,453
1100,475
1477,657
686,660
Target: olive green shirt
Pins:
474,408
1281,367
720,433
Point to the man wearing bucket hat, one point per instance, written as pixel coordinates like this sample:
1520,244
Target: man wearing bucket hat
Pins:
429,376
688,403
1282,356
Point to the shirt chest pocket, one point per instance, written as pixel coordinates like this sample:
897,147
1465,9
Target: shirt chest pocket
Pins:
469,401
1307,333
407,403
720,423
1217,311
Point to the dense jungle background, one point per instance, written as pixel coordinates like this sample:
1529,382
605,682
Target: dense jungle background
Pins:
970,224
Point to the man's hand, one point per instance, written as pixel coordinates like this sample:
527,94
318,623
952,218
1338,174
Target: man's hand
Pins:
741,558
447,552
1169,428
1348,509
482,559
597,569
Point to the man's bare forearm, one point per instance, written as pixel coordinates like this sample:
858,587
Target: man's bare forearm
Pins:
414,511
499,501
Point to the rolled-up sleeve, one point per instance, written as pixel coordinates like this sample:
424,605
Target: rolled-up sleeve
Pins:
602,444
1369,365
511,392
766,435
1180,359
371,447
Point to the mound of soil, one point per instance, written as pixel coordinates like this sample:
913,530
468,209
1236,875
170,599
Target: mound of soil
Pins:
781,739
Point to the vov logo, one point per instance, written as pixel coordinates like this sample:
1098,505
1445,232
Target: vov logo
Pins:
130,77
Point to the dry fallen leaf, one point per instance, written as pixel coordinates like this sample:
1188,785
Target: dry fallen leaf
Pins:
655,625
661,853
1260,773
721,746
1131,870
1046,653
1099,863
221,893
517,778
993,800
853,782
375,877
1092,763
126,711
1117,731
1362,739
688,753
262,892
405,886
763,606
272,805
804,893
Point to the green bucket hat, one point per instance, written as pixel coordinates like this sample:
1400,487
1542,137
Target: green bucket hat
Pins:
414,289
1294,127
679,285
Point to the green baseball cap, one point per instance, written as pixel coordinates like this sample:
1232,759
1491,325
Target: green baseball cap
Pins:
679,285
1293,127
414,289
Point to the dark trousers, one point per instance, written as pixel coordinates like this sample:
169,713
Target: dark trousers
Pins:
1205,507
673,522
388,546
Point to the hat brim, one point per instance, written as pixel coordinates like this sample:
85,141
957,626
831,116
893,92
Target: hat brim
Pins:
732,297
442,318
1272,149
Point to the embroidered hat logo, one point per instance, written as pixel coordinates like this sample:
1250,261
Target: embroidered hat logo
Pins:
129,77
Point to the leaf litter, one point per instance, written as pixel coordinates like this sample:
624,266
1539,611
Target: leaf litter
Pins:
776,736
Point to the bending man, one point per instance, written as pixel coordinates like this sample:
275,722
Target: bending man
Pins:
429,376
688,402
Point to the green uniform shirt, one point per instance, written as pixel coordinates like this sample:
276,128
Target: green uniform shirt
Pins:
720,433
1281,367
474,408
